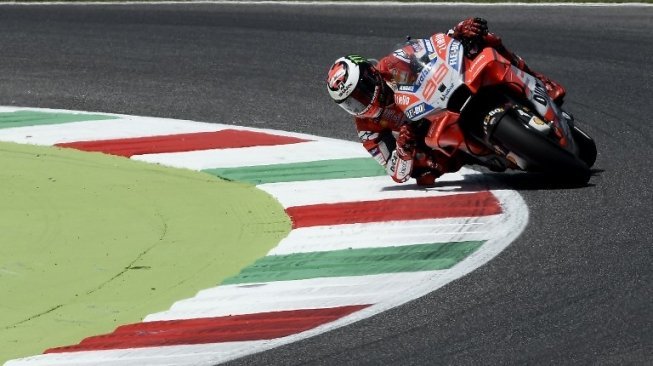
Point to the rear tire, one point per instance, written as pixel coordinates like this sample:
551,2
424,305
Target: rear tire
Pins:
540,153
586,146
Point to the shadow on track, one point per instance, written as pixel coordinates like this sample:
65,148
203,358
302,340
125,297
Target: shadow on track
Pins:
487,180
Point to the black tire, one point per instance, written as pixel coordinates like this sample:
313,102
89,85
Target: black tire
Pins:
586,146
540,153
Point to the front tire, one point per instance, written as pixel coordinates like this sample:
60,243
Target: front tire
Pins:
586,146
540,153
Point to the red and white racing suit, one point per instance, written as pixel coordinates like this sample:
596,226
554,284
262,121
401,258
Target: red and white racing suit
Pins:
380,137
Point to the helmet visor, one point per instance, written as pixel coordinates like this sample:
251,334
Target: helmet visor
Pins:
365,96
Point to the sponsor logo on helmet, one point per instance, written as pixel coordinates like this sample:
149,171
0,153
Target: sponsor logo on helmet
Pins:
338,75
356,59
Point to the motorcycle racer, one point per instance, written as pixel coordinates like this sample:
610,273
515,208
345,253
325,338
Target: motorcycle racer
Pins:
365,89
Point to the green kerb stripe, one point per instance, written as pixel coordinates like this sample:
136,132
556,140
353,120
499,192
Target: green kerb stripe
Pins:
356,262
324,169
34,118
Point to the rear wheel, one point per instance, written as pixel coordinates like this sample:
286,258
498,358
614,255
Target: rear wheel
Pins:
540,153
586,146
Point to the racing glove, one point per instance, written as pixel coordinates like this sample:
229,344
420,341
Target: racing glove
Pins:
400,165
406,143
470,29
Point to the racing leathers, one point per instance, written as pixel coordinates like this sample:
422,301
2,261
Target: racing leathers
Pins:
390,139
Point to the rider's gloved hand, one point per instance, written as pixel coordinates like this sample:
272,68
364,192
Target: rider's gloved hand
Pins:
406,143
470,29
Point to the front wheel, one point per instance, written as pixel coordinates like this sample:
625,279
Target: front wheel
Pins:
540,153
586,146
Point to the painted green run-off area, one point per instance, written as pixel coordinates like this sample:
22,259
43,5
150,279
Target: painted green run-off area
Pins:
89,241
36,118
295,172
356,262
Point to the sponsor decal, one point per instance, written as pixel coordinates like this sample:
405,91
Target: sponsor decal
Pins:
338,79
401,54
523,113
493,113
440,42
429,46
446,92
344,89
408,88
539,94
418,110
424,74
427,69
402,100
475,68
491,119
338,76
392,164
454,56
538,121
417,46
404,168
367,135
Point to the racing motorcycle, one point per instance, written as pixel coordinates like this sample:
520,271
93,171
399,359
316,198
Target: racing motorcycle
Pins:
498,115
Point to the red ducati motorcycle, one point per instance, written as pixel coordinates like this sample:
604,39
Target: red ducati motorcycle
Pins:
490,110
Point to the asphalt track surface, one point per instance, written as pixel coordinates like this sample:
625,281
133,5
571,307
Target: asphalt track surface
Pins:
574,288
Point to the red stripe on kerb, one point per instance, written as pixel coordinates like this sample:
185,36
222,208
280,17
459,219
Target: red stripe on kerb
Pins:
211,330
460,205
225,139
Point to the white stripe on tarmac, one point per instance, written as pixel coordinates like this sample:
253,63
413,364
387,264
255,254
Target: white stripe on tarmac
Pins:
254,156
358,189
122,126
317,293
102,130
389,234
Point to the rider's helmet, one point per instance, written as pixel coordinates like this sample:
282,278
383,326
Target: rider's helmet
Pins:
356,86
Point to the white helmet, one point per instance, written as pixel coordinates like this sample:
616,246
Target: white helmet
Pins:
355,85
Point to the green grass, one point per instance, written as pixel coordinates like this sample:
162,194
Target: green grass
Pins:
90,241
